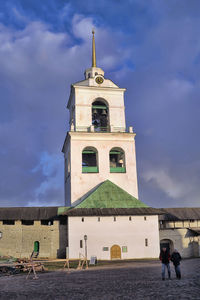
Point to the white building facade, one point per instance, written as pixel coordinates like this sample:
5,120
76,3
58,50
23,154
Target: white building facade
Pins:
113,237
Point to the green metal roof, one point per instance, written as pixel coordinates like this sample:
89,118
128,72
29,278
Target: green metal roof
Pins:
62,209
109,195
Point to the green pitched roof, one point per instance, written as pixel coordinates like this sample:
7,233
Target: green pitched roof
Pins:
62,209
109,195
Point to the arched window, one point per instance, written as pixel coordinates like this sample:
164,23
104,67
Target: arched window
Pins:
100,115
89,160
117,161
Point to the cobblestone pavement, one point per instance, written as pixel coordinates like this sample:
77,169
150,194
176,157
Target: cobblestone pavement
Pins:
132,280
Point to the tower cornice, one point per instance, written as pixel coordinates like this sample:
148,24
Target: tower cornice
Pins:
99,88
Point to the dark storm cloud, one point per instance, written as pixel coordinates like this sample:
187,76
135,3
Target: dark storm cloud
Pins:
150,48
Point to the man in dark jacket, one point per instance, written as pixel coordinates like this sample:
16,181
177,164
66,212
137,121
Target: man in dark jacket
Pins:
176,258
165,259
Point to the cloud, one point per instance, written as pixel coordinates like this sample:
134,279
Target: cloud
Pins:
37,68
51,167
177,185
165,182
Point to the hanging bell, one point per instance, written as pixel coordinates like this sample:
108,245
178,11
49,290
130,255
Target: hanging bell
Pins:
103,112
94,111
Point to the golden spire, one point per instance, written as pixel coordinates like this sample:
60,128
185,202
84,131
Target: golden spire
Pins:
93,50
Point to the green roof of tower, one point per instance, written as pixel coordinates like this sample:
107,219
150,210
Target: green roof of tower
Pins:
109,195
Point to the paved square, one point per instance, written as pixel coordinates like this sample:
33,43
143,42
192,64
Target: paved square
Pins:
124,280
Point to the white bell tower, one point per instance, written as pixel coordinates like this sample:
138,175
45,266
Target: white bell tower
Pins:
98,146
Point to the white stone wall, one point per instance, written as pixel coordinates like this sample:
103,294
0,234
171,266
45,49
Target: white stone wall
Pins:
81,183
85,96
108,232
183,240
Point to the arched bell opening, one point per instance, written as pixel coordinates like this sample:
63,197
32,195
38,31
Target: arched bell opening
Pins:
100,115
117,161
89,160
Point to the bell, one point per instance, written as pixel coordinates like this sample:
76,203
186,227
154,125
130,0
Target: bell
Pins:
95,111
104,112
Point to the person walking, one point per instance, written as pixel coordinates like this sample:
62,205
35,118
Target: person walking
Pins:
165,259
176,258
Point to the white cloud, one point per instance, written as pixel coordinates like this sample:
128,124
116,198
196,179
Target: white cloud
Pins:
171,186
178,89
51,167
179,182
82,27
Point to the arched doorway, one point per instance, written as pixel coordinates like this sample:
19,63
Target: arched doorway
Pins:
36,246
168,244
115,252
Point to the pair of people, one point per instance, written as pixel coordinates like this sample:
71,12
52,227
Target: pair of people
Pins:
165,259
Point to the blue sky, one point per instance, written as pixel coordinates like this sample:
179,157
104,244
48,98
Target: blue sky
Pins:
150,47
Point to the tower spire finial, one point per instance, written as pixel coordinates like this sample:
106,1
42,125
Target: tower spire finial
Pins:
93,50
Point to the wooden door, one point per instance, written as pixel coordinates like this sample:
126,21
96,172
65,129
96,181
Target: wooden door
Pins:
115,252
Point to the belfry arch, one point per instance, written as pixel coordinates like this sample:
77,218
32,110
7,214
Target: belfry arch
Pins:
117,160
100,115
89,160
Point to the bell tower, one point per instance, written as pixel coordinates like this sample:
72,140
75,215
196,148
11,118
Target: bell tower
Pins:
98,146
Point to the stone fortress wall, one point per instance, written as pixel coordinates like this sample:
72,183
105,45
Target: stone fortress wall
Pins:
18,240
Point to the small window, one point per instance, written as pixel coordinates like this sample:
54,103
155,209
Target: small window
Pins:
96,73
105,249
114,219
99,219
89,160
8,222
1,234
47,222
130,218
89,75
162,224
27,222
146,242
124,249
81,243
145,218
82,220
117,161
